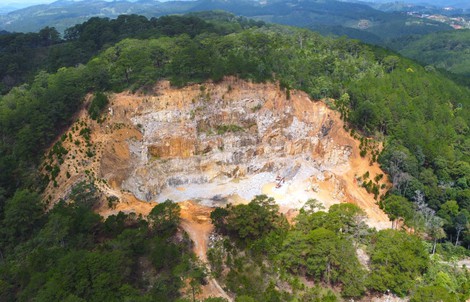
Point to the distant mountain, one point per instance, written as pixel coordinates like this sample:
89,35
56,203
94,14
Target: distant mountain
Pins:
63,14
356,20
352,19
7,9
7,6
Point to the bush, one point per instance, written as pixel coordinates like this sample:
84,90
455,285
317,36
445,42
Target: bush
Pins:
433,294
397,260
99,102
449,251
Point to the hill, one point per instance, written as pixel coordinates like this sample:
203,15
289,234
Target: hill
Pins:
220,151
179,107
445,50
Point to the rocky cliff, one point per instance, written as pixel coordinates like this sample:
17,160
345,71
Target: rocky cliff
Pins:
219,143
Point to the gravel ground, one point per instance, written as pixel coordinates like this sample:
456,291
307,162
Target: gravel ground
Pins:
293,193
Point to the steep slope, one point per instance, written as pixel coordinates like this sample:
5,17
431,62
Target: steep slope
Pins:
218,143
445,50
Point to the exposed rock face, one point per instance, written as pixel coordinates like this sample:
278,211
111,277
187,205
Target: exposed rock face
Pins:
228,142
217,134
173,147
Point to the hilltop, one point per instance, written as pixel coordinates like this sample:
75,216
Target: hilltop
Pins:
179,158
217,144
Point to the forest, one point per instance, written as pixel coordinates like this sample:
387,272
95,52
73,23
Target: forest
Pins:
445,50
70,253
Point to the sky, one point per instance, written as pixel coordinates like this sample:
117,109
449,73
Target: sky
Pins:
24,3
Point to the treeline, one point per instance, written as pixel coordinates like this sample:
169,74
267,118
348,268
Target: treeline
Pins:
22,55
259,257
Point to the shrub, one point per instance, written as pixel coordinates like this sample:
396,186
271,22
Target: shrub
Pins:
99,102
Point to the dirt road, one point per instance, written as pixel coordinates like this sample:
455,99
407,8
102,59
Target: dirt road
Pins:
196,222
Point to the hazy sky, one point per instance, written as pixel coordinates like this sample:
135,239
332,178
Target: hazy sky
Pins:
25,2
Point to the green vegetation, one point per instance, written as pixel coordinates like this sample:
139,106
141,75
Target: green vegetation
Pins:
23,55
324,256
397,260
433,294
251,221
222,129
443,50
420,115
165,217
355,20
71,253
98,103
398,208
258,252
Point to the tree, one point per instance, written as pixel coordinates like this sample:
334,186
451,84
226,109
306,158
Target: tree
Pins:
311,206
91,276
219,217
423,210
324,256
70,226
49,36
84,194
345,218
398,207
165,217
98,103
2,199
367,116
448,211
435,230
255,220
433,294
196,275
401,164
23,215
390,63
306,222
397,260
318,294
461,224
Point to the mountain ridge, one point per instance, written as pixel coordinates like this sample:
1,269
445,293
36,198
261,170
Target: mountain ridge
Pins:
312,14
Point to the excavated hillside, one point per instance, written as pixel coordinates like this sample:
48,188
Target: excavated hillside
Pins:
213,144
216,144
